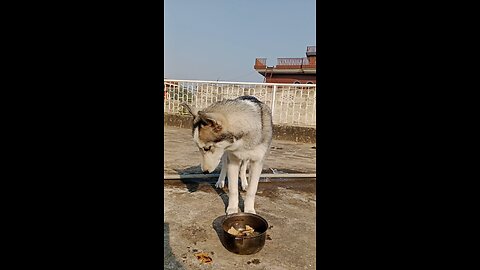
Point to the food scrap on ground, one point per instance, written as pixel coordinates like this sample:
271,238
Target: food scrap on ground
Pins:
203,257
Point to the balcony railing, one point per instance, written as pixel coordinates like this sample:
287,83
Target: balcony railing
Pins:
292,61
261,63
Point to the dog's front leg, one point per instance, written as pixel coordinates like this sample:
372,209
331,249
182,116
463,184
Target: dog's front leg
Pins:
243,174
233,165
255,171
221,180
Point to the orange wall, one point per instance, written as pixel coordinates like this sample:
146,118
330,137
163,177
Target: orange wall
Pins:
290,78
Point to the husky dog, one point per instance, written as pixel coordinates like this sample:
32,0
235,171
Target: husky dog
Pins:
239,131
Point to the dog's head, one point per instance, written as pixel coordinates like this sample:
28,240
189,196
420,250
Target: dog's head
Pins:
210,136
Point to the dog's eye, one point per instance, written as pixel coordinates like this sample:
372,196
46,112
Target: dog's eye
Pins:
207,148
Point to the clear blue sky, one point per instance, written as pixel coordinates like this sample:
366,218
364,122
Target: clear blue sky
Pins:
220,39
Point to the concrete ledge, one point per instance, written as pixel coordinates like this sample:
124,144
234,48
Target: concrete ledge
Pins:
280,132
296,134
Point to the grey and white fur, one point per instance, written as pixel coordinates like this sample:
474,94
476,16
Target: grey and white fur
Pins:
239,132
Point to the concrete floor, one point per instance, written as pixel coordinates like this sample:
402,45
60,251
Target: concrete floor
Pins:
194,209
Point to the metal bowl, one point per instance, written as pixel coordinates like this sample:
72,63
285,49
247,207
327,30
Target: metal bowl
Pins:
245,245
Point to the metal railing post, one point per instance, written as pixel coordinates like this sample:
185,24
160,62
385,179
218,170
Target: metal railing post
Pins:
273,100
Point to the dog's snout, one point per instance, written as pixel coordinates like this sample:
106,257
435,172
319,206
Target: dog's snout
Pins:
206,172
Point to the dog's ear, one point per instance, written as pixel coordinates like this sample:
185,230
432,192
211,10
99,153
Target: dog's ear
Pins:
215,120
191,110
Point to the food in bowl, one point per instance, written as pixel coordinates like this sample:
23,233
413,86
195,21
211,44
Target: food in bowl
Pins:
249,231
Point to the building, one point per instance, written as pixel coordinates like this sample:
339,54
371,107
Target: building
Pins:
290,70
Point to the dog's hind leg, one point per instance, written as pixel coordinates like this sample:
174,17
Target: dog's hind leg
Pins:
233,165
243,174
255,171
221,179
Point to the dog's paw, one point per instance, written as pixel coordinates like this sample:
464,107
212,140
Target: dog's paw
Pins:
251,211
232,210
244,185
220,184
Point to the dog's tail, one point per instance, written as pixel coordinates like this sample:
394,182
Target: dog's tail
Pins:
193,111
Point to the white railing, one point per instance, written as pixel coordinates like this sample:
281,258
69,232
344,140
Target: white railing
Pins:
292,61
291,104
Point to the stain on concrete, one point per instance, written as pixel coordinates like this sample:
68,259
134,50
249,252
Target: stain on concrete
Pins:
254,261
195,233
269,193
